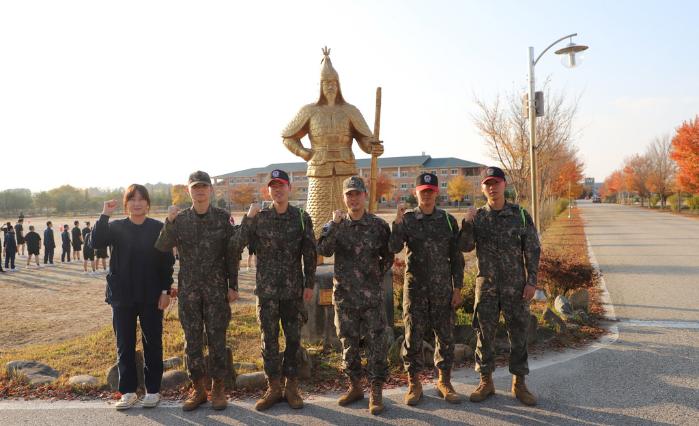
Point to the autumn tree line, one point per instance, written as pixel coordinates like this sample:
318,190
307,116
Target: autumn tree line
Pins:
665,175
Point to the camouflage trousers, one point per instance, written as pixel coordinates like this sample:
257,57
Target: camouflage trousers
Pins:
349,324
205,312
292,315
423,315
492,299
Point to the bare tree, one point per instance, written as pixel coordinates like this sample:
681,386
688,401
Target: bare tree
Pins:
506,132
662,167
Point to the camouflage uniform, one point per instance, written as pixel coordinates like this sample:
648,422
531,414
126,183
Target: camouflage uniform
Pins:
435,267
361,260
280,241
206,273
507,248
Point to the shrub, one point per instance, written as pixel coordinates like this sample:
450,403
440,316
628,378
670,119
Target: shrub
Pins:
561,205
654,200
693,203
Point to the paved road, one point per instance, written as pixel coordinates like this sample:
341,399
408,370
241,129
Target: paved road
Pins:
645,372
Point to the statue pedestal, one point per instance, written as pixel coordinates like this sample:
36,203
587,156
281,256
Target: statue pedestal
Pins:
320,327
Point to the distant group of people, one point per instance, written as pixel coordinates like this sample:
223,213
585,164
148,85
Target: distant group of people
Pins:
73,242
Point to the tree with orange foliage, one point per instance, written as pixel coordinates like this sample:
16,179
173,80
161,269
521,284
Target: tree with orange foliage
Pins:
636,174
612,186
180,195
384,186
685,151
662,168
243,195
570,177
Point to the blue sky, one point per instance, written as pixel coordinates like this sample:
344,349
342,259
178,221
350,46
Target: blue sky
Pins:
109,93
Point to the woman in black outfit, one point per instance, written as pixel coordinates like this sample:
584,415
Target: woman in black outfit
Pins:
138,287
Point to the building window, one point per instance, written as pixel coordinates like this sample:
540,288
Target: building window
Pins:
443,184
404,186
454,171
443,171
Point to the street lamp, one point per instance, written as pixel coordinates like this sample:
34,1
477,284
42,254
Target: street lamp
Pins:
570,60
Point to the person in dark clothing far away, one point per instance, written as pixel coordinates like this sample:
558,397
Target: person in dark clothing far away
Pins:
77,238
138,288
65,244
33,246
88,251
10,245
49,243
19,233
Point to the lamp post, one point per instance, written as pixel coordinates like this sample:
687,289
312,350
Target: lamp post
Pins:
569,60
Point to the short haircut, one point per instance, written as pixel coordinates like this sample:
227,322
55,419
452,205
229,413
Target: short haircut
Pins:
76,223
132,190
31,227
49,223
87,223
65,226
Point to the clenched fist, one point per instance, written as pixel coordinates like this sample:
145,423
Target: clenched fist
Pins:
109,207
338,215
400,211
172,212
253,210
470,214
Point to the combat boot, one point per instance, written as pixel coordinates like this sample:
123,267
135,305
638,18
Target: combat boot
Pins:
197,396
484,390
376,398
271,397
520,391
291,392
218,395
414,390
354,393
445,389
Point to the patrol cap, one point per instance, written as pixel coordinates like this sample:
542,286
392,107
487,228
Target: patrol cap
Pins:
278,176
199,177
427,181
354,183
492,173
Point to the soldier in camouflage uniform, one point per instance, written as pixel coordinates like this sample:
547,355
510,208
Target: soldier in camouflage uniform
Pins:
507,248
432,286
207,283
283,237
360,245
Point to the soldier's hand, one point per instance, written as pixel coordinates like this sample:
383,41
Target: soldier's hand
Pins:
338,215
109,207
307,294
456,299
232,295
377,149
306,154
172,212
253,210
400,211
470,214
528,293
163,302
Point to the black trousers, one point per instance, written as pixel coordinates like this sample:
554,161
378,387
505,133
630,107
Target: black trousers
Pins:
65,253
124,323
48,255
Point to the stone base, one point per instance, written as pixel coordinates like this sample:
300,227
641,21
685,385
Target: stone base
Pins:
320,327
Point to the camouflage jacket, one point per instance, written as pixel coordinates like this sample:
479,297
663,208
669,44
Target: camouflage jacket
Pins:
202,247
506,243
435,266
361,259
281,242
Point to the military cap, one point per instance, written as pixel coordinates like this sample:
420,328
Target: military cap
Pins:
199,177
278,176
427,181
492,173
354,183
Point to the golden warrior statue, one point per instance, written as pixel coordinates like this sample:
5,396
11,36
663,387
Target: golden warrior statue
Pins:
331,124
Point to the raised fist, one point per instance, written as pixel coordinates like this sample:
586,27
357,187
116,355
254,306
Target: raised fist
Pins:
253,210
109,207
377,149
338,215
400,211
172,212
470,214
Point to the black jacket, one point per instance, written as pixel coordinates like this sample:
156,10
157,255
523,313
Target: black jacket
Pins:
138,273
48,238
